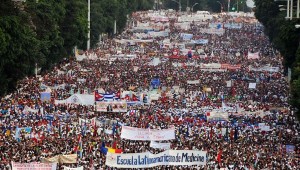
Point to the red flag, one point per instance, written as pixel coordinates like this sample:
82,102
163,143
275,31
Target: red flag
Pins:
127,97
118,151
219,156
134,98
75,148
98,97
114,145
118,95
208,114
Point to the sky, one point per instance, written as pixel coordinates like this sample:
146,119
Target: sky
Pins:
250,3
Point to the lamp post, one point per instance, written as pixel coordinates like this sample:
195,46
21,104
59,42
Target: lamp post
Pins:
155,6
187,5
220,5
233,8
298,9
291,16
290,8
228,5
89,26
179,3
193,7
36,69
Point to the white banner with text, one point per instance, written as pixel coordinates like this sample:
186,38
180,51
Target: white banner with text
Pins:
147,159
133,133
33,166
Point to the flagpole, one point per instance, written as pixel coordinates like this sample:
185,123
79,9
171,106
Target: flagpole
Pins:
228,5
36,69
115,27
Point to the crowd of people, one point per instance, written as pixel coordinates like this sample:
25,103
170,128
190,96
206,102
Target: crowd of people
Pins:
220,64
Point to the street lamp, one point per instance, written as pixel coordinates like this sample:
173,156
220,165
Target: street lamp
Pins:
237,6
220,5
179,3
193,7
289,8
89,25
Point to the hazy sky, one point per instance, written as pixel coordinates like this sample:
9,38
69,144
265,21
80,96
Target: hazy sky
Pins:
250,3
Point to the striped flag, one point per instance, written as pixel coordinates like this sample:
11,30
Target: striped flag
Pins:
203,96
98,96
108,96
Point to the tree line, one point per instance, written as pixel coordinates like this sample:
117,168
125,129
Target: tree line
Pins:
286,39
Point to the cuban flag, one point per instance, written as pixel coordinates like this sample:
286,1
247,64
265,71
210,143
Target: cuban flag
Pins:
98,96
118,95
108,96
111,97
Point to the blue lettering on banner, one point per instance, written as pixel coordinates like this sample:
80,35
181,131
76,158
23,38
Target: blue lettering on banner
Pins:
144,160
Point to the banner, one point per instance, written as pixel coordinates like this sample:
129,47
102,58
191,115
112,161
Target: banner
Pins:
157,145
159,34
133,133
200,41
185,36
67,168
252,85
233,25
51,160
231,67
29,109
210,66
228,83
193,82
265,68
45,96
33,166
115,106
68,159
220,31
155,83
26,130
253,55
87,122
290,148
217,116
148,160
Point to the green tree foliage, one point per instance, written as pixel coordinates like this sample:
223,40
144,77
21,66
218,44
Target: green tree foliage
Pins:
295,85
46,16
285,37
19,47
74,26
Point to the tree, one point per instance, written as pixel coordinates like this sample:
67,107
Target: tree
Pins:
45,17
19,47
74,26
285,37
